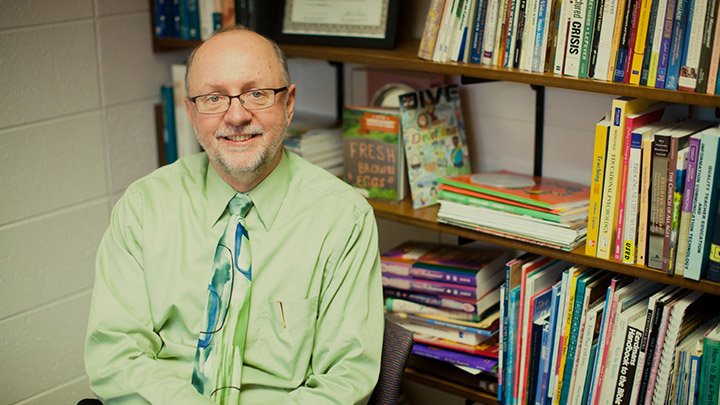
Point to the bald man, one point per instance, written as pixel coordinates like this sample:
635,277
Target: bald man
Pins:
294,315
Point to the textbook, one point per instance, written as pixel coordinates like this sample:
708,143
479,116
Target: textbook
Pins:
486,364
433,131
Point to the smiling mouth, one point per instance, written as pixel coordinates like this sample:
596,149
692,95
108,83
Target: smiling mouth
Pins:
240,138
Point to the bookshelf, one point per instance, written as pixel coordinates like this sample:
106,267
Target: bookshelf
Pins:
405,57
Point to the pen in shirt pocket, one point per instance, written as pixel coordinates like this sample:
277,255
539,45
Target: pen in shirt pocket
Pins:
282,314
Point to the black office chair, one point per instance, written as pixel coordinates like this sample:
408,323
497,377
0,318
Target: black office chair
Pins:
397,342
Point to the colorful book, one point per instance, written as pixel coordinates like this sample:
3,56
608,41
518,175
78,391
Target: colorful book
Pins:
436,300
373,152
602,130
434,137
543,192
687,204
641,36
435,287
431,28
677,45
622,107
706,201
687,80
665,43
486,364
710,367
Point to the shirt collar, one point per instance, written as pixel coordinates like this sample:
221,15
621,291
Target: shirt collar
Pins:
267,196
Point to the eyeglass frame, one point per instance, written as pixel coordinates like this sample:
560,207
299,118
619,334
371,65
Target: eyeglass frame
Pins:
238,96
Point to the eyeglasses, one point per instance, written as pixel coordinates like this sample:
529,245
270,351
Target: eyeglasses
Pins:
256,99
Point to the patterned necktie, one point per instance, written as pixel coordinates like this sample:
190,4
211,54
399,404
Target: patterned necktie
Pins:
219,356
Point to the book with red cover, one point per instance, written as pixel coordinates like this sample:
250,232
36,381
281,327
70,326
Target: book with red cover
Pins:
543,192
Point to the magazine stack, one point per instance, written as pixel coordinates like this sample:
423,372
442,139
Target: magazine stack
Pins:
538,210
317,142
449,297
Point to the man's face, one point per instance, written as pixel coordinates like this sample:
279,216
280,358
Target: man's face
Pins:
242,144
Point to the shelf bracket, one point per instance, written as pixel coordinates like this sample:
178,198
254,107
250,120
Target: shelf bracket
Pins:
339,89
539,129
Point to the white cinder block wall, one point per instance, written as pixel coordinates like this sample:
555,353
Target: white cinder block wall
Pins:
78,81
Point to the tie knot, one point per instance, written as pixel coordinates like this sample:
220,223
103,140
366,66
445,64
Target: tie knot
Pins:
240,204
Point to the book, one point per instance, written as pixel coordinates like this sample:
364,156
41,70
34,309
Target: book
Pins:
626,347
687,204
706,200
665,43
486,364
187,143
678,43
373,152
609,13
654,113
587,37
706,47
574,39
665,148
687,80
623,50
543,192
654,32
416,324
602,130
641,37
400,258
436,287
471,266
489,348
714,56
169,130
434,136
409,307
622,107
713,266
710,367
632,38
478,31
431,28
436,300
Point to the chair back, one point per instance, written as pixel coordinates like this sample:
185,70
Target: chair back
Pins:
397,342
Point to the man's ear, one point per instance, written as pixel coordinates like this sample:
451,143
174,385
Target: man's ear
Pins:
290,102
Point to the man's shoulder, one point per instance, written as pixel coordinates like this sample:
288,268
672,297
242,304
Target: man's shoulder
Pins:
187,172
316,183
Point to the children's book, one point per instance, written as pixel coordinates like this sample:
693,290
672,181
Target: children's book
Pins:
373,152
434,136
543,192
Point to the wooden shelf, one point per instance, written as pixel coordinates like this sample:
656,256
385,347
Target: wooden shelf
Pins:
405,57
448,378
427,218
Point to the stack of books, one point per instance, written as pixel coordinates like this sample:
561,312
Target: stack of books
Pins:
668,44
449,297
317,141
654,192
543,211
572,334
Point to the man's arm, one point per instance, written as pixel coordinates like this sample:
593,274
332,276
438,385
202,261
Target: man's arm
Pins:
121,347
349,330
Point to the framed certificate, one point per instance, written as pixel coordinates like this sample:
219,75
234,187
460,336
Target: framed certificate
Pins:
352,23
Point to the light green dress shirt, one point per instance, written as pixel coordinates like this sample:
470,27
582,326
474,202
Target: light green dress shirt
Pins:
316,320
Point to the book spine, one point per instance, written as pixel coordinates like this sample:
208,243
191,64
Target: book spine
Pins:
632,200
713,266
605,39
706,47
477,362
645,190
478,32
600,10
540,36
169,131
686,209
704,200
669,212
623,50
430,31
577,315
693,383
687,81
508,36
656,233
572,54
596,187
528,35
640,41
608,217
628,366
632,39
432,300
677,44
587,38
652,343
562,34
714,57
710,371
519,33
443,276
489,35
622,194
430,287
653,50
665,42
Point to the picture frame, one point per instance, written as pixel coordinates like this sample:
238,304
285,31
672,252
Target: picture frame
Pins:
345,23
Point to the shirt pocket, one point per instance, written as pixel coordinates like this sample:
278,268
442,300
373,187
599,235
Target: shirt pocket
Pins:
287,334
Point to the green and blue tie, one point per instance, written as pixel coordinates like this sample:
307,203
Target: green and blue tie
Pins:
221,343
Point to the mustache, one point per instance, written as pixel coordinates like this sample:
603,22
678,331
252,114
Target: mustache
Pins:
239,131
